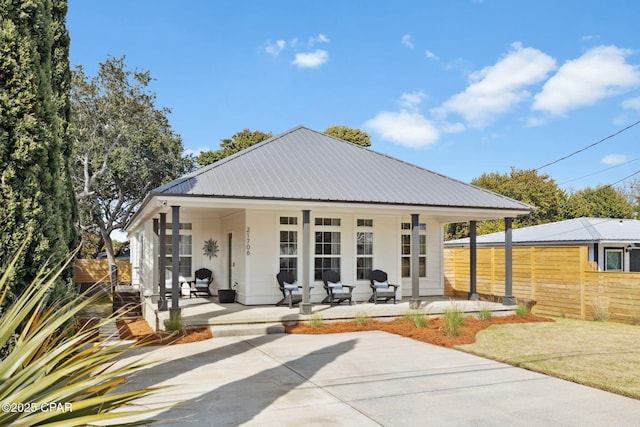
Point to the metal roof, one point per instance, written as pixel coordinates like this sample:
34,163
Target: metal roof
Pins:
571,231
303,164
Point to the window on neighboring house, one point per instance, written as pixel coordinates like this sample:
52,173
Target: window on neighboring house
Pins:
185,249
405,250
614,259
289,245
364,252
327,247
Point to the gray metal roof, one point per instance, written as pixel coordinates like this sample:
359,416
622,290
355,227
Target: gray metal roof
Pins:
303,164
571,231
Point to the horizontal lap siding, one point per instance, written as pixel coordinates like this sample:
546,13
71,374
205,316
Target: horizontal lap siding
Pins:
97,271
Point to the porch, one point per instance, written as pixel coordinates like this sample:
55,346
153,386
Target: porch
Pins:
238,319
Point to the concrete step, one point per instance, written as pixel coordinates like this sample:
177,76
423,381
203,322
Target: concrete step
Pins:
238,330
109,332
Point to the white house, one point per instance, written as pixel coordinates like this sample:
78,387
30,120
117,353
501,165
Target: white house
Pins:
613,244
306,202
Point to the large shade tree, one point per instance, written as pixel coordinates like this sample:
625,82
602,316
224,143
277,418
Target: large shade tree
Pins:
123,146
526,186
35,185
246,138
603,201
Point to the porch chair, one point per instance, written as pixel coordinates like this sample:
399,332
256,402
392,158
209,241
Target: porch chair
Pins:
336,291
204,278
380,287
291,290
168,283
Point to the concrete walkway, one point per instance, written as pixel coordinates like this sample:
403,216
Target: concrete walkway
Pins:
361,379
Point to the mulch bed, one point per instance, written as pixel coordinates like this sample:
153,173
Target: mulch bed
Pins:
140,331
433,332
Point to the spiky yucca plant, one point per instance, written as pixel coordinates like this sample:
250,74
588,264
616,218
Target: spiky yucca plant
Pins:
50,363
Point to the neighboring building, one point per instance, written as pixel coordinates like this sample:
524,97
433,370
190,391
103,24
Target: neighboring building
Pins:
614,244
306,201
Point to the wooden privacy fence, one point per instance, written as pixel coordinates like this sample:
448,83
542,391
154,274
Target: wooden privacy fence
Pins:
97,271
560,280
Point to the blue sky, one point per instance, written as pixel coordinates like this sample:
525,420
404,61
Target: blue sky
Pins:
459,87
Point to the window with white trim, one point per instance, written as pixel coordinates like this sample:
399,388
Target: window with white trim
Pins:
289,244
405,250
614,259
327,246
364,249
185,249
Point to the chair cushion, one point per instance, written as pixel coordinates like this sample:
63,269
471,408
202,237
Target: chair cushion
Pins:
381,286
293,287
202,283
335,287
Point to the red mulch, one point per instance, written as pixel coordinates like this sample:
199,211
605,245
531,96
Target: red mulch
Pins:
140,331
433,333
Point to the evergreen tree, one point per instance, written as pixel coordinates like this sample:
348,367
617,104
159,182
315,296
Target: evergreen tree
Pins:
35,188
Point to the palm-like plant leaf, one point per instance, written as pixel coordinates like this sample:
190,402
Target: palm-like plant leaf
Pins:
53,362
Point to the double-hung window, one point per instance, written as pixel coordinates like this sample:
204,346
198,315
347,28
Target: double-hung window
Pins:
289,244
185,249
405,250
364,248
327,246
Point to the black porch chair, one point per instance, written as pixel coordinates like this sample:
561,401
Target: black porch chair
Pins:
200,285
336,291
380,287
291,290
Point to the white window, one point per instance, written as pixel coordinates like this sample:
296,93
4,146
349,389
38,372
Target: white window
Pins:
289,244
405,250
364,252
327,246
614,259
185,248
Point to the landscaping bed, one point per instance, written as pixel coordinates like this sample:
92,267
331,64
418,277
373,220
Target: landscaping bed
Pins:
433,332
140,331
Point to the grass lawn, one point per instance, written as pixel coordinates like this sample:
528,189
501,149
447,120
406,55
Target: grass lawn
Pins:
604,355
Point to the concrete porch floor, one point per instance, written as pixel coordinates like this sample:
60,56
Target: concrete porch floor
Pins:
238,319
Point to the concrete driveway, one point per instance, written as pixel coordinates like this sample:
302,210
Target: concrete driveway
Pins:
361,379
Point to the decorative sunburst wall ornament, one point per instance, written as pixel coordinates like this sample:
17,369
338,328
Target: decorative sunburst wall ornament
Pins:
210,248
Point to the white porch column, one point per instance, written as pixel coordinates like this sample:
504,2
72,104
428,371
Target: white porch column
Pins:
305,273
415,261
473,293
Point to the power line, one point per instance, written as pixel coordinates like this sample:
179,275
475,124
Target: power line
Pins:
600,171
589,146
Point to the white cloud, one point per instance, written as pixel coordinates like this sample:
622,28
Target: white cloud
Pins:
320,38
632,104
431,55
495,89
406,41
411,101
276,47
410,129
614,159
311,59
599,73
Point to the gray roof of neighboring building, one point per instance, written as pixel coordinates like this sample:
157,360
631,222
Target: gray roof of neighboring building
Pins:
574,231
303,164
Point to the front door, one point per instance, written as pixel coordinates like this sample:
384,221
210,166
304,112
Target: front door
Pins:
634,260
230,261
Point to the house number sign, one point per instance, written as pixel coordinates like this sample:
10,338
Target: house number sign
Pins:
248,240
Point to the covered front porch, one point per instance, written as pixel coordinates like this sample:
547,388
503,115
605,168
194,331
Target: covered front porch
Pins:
238,319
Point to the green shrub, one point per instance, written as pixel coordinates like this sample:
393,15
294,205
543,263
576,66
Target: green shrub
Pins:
174,324
416,317
52,361
362,319
484,313
316,320
522,309
453,319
